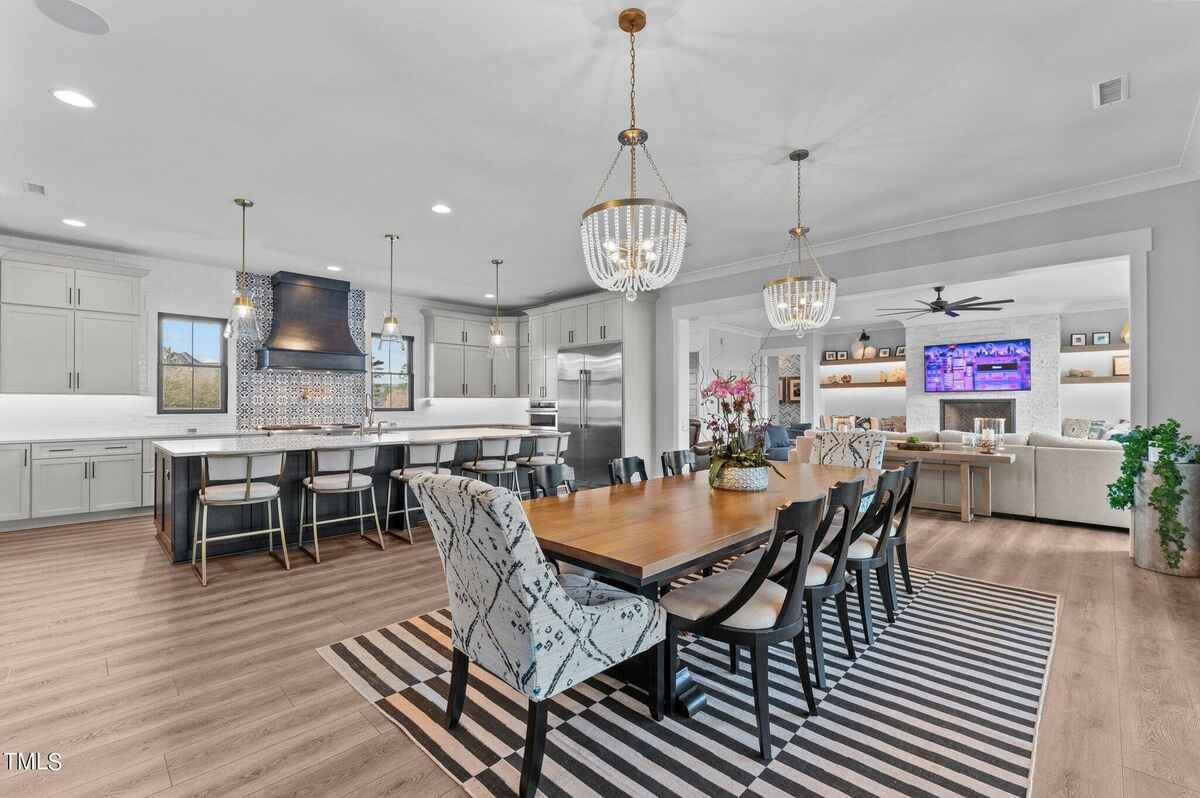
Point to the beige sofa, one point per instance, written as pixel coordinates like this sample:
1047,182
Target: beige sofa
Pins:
1053,478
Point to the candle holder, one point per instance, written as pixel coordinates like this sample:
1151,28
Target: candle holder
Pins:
990,434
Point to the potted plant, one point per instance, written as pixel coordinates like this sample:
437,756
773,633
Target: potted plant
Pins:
739,459
1160,481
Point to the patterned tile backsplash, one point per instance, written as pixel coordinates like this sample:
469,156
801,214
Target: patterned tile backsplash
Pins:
297,397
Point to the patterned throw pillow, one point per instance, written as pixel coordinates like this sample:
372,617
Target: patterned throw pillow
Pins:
893,424
1076,427
1098,430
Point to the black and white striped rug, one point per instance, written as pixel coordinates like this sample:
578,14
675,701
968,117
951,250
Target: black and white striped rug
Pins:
946,702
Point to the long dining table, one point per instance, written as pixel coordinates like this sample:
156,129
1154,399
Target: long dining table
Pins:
643,535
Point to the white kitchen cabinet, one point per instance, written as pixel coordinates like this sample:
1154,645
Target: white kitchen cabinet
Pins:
37,284
537,336
115,483
108,293
553,332
523,333
37,349
477,372
105,353
504,372
448,370
604,321
14,482
60,486
509,330
550,365
447,330
574,326
537,378
476,333
147,489
524,388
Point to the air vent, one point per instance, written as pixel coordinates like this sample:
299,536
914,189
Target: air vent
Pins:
1110,91
33,188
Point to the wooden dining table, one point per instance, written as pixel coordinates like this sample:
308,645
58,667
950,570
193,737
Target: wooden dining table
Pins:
643,535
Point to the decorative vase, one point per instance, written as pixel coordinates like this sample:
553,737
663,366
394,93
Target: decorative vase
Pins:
734,478
1144,532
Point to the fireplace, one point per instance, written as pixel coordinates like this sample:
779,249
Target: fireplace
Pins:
960,414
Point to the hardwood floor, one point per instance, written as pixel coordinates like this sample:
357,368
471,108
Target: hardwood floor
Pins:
149,684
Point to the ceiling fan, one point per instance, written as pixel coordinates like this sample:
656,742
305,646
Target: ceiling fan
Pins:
939,305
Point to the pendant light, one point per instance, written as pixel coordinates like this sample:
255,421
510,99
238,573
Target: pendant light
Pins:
390,329
496,328
635,243
243,318
803,303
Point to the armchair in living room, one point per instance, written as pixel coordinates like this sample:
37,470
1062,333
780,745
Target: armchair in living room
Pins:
702,449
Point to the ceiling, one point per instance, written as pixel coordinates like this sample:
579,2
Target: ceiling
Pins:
344,121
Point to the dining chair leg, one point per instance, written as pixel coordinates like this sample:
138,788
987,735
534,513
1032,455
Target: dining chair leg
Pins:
656,679
733,658
813,608
535,747
672,666
387,507
300,530
270,529
887,588
287,564
863,586
762,705
375,515
458,688
902,551
843,610
801,654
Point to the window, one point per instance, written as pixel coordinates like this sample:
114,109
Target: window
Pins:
192,366
391,373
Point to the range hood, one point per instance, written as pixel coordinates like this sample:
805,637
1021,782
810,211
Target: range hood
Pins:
310,326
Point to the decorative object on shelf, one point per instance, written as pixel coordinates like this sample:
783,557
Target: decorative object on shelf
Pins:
914,444
990,432
1125,333
243,317
739,459
496,327
1101,338
885,351
829,355
901,350
939,305
846,379
1081,372
1165,499
843,355
800,303
635,243
1120,365
1078,339
389,330
859,350
898,374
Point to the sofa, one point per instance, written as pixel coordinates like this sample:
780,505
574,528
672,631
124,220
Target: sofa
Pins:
1053,477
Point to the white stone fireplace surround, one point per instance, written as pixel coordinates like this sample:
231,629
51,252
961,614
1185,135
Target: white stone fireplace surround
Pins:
1037,410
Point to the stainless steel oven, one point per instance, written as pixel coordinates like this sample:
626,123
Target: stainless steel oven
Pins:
543,413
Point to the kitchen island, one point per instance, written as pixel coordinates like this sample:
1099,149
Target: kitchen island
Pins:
177,466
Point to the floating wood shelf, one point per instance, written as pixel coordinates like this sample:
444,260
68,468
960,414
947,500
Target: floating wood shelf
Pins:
1093,380
865,361
863,385
1102,348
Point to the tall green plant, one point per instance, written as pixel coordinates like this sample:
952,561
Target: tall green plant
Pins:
1167,496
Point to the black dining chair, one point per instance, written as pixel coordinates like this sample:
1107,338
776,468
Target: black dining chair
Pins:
680,461
870,550
750,611
544,480
899,540
622,470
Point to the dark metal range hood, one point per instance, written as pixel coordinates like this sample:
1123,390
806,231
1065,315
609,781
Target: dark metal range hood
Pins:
310,326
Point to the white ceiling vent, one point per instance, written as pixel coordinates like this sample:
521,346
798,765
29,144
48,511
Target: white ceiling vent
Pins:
33,188
1110,91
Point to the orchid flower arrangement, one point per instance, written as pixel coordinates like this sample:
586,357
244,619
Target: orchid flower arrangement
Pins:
738,432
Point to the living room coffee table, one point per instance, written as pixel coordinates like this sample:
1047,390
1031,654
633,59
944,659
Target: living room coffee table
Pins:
969,461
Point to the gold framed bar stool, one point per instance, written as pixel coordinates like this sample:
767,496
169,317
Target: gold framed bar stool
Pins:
494,457
238,480
547,450
427,459
339,471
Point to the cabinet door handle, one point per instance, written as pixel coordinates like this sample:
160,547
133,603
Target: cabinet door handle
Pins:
85,470
25,458
63,450
78,296
77,380
69,386
68,295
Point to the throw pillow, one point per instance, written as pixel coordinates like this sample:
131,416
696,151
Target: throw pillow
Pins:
1076,427
1098,430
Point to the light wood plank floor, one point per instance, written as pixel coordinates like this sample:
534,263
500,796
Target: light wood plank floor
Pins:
149,684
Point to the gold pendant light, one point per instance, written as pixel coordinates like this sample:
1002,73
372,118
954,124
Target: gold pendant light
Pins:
496,328
390,329
635,243
243,318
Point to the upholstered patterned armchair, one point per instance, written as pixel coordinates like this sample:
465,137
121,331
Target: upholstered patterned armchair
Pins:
860,448
511,614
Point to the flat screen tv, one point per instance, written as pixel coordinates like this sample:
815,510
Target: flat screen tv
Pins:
982,366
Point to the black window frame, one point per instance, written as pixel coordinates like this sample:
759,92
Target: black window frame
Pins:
409,342
223,366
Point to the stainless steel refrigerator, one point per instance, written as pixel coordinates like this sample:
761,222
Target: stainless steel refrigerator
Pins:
589,407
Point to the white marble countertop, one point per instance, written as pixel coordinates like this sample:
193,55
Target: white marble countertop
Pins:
116,434
293,442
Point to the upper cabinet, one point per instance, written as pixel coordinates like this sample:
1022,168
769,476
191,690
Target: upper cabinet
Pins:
523,332
574,326
604,321
462,363
109,293
475,333
104,347
448,330
24,283
37,349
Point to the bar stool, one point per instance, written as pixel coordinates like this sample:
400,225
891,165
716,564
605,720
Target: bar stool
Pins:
493,457
338,471
416,460
547,450
245,480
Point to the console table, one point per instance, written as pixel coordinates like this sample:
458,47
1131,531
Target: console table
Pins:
969,461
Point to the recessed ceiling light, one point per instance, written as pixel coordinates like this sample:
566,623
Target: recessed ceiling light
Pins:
334,268
72,97
440,208
74,223
489,296
72,15
835,318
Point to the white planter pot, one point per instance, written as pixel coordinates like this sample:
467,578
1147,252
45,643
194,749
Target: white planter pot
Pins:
1146,550
747,479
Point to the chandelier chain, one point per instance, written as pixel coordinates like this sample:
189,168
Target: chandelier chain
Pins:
799,197
632,81
612,166
242,272
391,271
657,173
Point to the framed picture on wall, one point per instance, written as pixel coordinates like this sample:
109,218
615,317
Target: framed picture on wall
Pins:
885,351
1078,339
1120,365
830,355
782,389
843,355
900,350
793,390
1101,338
